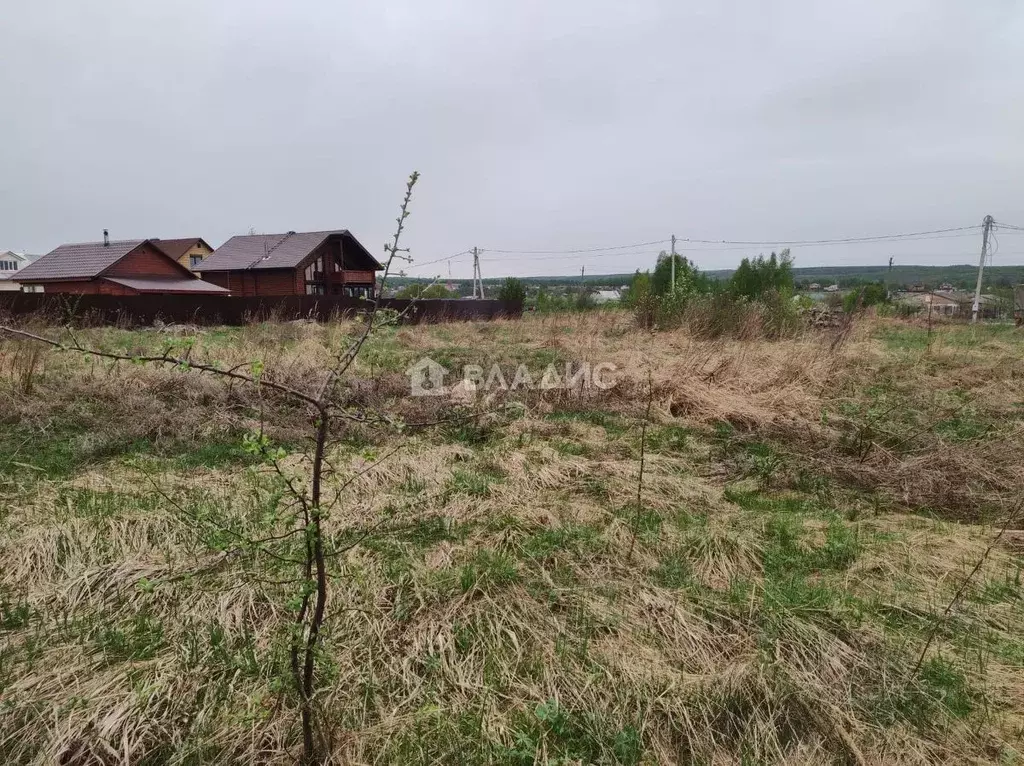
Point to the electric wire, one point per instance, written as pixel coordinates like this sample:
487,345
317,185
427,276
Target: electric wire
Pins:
415,265
834,240
576,250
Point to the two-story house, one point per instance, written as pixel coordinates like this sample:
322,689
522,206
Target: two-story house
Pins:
295,263
10,264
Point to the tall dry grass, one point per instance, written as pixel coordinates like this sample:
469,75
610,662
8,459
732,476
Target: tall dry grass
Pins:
758,620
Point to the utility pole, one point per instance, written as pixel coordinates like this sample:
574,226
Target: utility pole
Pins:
476,273
673,257
986,230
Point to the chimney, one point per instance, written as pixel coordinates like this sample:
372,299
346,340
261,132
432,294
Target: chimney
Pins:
106,238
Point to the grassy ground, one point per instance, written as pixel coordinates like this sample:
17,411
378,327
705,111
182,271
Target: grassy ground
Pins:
809,508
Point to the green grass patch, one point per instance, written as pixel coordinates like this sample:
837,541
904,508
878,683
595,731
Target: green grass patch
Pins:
15,611
940,690
671,440
787,553
382,352
488,571
102,504
644,522
473,483
762,503
963,428
141,639
574,538
568,448
566,736
673,570
612,424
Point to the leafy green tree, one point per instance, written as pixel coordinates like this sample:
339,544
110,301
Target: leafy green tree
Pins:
512,290
689,278
755,278
425,292
869,295
639,288
548,302
584,299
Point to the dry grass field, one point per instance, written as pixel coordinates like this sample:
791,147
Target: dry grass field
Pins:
505,590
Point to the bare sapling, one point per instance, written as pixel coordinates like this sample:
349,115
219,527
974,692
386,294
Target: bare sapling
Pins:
301,524
640,478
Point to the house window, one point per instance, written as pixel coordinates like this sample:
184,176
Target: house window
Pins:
316,281
359,292
194,261
8,266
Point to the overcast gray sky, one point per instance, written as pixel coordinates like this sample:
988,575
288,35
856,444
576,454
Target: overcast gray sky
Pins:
536,125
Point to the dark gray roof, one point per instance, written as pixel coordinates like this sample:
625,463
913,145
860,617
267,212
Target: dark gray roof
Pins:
83,260
168,285
272,251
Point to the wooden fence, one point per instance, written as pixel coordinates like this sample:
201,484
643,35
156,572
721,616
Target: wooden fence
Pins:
132,310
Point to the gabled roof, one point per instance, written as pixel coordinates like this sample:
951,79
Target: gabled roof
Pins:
276,251
23,258
178,247
82,260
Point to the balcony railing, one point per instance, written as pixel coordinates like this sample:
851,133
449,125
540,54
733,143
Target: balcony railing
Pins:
354,277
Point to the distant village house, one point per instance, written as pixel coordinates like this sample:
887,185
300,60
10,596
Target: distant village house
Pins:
11,264
295,263
935,303
607,296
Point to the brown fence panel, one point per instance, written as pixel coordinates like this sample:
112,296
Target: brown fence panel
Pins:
130,310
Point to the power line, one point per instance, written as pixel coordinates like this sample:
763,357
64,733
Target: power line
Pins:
750,243
724,245
438,260
836,240
578,250
712,250
748,246
571,256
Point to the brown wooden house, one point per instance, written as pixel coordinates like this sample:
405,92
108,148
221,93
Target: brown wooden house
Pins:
112,267
296,263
